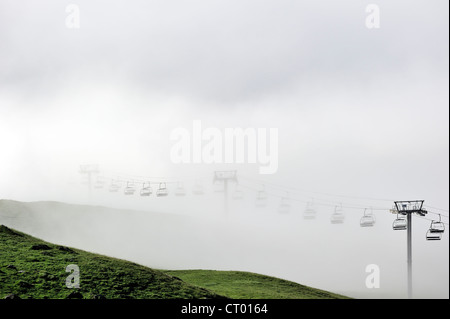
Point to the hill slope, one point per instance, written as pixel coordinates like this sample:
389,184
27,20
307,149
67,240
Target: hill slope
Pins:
32,268
245,285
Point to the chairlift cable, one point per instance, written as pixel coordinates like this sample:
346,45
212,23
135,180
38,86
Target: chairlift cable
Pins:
314,192
430,220
126,178
441,209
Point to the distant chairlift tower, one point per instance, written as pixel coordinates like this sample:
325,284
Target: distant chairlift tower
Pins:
225,177
408,208
89,170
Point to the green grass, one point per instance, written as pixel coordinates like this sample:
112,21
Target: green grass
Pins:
40,274
245,285
32,268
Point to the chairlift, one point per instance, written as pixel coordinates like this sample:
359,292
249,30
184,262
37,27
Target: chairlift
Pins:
180,191
146,190
368,220
198,189
162,190
436,229
114,187
130,189
433,235
218,187
437,226
338,216
285,205
261,199
400,223
99,184
309,212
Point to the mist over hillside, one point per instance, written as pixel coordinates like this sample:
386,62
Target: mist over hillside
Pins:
311,252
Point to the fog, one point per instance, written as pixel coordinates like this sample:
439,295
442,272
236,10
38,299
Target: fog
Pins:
362,120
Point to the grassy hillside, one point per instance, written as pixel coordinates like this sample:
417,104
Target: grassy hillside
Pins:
31,268
245,285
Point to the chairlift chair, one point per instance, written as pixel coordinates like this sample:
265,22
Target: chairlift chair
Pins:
114,187
436,230
400,223
285,205
238,194
99,184
130,189
218,187
162,190
437,226
338,216
180,191
285,202
261,199
146,190
198,189
309,212
433,235
367,220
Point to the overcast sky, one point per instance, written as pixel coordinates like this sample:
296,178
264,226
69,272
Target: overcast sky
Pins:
360,112
369,104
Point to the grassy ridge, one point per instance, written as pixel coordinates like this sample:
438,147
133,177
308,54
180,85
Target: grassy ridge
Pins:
32,268
245,285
